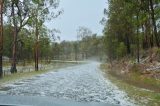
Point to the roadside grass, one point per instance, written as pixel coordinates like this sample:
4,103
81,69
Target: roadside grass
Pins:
44,62
144,82
142,96
18,76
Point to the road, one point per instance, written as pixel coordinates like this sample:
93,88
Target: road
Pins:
82,83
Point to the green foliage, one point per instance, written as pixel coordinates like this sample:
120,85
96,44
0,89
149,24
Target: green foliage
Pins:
121,50
131,26
7,41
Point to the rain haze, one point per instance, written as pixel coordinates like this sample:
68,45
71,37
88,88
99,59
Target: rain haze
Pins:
77,13
79,53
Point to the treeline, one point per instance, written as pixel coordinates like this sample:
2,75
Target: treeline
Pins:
131,26
25,44
86,47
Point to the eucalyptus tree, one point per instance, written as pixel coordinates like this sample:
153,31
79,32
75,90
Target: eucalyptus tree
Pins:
153,4
1,37
75,44
42,10
18,14
83,33
135,8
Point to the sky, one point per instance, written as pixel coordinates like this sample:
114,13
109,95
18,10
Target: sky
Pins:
77,13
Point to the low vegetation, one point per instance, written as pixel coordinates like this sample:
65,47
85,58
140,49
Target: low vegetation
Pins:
145,74
23,75
131,84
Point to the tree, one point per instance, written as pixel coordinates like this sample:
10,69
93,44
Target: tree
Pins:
76,50
152,12
1,37
83,33
42,10
20,17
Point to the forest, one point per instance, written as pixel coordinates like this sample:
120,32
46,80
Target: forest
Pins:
132,41
131,28
132,46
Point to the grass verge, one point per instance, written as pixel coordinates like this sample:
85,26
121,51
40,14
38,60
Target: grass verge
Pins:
143,97
19,76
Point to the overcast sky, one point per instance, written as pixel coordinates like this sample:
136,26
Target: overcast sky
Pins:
77,13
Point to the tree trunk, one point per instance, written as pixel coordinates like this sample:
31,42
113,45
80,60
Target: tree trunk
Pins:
138,45
36,47
86,55
154,23
1,38
148,34
145,37
76,51
128,44
14,48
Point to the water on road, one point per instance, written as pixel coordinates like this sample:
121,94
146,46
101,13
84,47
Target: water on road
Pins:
83,83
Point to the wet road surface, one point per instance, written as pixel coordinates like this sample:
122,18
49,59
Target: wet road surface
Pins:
82,83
